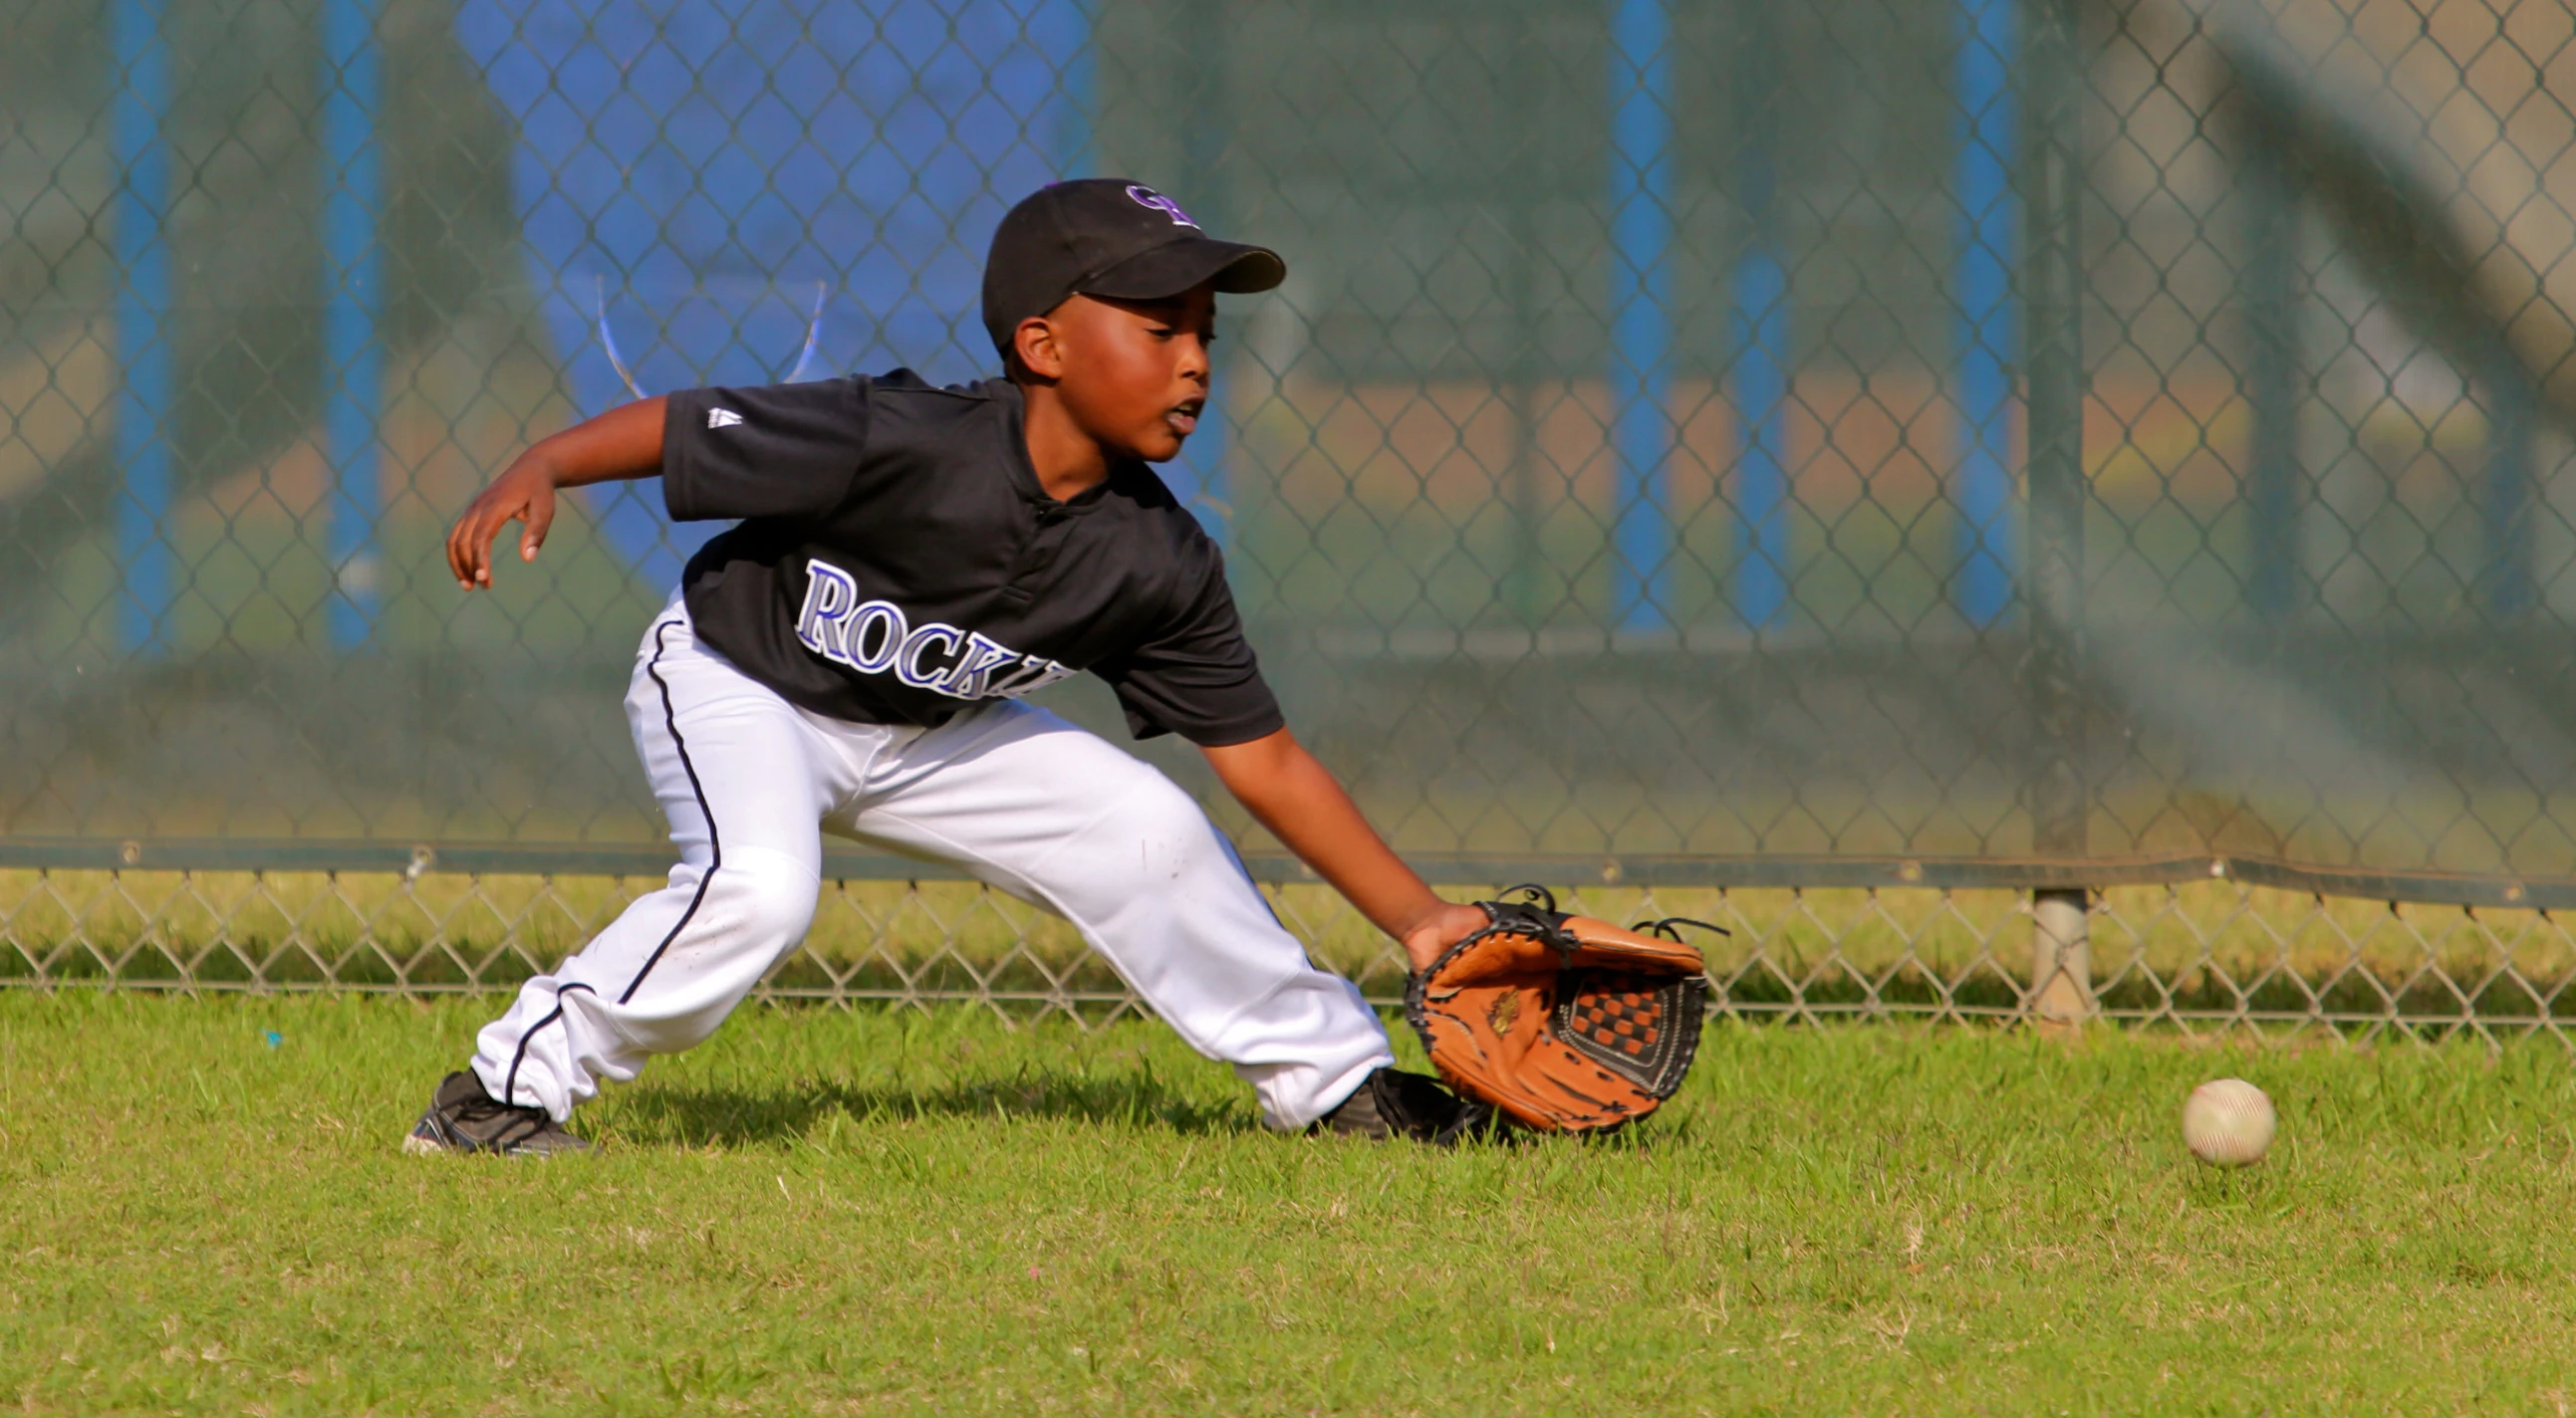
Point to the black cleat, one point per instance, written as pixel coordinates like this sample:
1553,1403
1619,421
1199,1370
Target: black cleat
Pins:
463,1117
1391,1104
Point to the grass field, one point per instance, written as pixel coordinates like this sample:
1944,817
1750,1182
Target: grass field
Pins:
820,1211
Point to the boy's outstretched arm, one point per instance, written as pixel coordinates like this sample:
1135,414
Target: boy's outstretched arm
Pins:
1298,799
625,442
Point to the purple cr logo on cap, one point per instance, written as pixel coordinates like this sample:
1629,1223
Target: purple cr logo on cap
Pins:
1148,197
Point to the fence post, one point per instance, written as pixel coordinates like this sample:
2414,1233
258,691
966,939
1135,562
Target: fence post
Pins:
1530,573
1061,33
2506,497
2272,381
1203,147
142,144
1762,353
2061,981
1641,233
352,303
1981,379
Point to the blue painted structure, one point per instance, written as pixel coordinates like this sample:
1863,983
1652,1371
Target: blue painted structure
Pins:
1640,379
142,247
353,374
697,169
1987,337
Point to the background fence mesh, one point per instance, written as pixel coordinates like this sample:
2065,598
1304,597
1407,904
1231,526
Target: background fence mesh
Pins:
1929,447
2207,959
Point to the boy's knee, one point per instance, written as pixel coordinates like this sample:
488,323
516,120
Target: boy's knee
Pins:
1158,802
764,893
1172,832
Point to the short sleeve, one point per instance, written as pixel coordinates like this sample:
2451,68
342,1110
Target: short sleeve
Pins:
1198,678
781,450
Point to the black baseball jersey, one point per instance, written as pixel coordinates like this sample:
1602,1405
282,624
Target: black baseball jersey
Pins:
897,561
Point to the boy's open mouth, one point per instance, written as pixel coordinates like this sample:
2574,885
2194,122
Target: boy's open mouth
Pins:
1184,417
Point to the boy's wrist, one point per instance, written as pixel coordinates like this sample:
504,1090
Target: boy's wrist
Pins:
1443,925
531,469
556,474
1424,913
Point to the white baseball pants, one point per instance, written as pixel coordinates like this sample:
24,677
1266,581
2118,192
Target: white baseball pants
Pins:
1014,795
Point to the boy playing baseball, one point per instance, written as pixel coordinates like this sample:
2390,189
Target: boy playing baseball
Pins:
849,658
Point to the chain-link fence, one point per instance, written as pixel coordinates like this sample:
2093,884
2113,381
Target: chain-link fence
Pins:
1935,448
2210,959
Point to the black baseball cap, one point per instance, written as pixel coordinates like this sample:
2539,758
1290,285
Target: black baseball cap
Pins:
1111,237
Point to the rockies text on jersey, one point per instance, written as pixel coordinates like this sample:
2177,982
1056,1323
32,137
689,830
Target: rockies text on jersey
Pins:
897,561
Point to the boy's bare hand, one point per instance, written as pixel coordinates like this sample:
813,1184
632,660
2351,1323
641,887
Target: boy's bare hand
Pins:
625,442
1439,930
526,495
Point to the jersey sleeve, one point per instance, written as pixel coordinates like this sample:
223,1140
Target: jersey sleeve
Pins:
1198,678
781,450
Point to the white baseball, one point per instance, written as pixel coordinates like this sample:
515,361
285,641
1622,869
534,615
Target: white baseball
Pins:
2228,1122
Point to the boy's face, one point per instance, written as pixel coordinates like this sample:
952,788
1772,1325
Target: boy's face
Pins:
1133,373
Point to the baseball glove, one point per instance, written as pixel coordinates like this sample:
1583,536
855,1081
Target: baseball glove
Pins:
1565,1023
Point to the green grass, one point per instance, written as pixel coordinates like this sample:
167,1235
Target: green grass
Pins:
831,1212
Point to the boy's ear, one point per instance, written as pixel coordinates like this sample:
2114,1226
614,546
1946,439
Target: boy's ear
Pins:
1035,344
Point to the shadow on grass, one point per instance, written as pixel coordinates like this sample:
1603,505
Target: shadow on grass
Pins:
683,1116
730,1116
